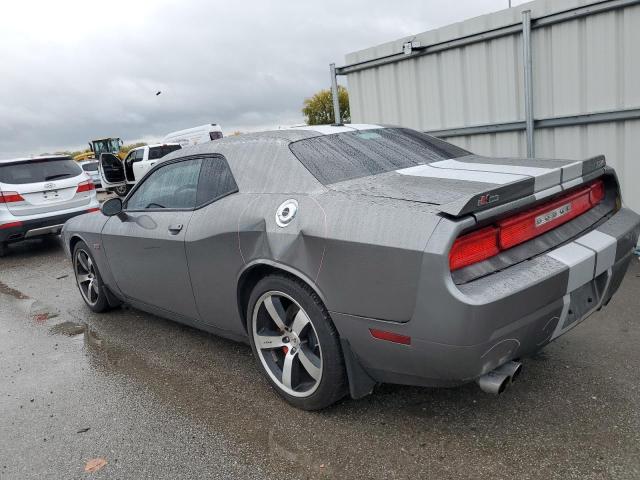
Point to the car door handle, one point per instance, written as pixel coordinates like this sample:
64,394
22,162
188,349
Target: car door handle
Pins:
175,229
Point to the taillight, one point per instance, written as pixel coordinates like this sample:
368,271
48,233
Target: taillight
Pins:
597,193
485,243
474,248
92,210
10,197
527,225
85,186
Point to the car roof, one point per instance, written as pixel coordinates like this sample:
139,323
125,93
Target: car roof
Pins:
40,157
164,144
284,134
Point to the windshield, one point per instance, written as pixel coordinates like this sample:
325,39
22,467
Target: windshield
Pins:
36,171
90,167
110,145
159,152
345,156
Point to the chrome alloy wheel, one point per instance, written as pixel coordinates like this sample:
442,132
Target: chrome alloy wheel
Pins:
86,277
287,344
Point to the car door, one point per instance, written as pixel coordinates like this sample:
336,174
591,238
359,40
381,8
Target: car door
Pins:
145,245
111,171
212,245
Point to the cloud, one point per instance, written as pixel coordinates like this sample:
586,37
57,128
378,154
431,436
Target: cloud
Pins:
77,70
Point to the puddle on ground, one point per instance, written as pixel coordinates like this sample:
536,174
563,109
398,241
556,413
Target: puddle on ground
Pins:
69,329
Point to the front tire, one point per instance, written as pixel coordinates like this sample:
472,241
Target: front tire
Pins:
88,279
295,343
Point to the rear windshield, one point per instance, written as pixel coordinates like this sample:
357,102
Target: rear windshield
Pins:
35,171
345,156
159,152
90,167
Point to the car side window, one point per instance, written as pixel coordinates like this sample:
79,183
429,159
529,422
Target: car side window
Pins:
216,180
171,186
139,154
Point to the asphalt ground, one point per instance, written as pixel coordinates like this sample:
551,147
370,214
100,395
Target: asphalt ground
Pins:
155,399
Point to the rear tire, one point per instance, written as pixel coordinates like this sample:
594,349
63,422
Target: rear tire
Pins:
295,343
122,190
88,279
4,249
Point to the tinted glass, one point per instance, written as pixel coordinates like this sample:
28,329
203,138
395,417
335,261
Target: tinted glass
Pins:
90,167
159,152
171,186
216,180
139,154
215,135
344,156
36,171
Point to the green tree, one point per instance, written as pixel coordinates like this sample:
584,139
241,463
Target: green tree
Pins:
318,110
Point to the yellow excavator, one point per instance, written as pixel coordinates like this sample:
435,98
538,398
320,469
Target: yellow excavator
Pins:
102,145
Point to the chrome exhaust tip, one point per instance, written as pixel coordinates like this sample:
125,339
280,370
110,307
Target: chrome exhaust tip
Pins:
493,382
511,369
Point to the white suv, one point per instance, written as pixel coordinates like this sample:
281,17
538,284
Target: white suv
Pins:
37,195
120,176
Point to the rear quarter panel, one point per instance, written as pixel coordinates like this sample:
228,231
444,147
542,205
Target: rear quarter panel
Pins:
373,259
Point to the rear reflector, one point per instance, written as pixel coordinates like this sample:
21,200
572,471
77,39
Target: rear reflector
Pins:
485,243
9,197
4,226
85,186
390,336
91,210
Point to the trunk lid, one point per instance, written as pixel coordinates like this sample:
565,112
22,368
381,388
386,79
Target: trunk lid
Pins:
471,184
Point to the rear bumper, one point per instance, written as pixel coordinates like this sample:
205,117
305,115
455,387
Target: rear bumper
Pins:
38,227
458,333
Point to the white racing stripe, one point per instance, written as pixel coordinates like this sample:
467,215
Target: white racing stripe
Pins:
465,175
571,171
490,167
560,328
544,177
580,260
587,257
605,247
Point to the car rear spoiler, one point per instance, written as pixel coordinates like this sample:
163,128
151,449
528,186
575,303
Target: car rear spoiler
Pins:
530,189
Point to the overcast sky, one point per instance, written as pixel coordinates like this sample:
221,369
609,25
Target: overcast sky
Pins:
75,70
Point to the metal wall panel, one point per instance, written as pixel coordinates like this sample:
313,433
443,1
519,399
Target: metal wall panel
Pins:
581,65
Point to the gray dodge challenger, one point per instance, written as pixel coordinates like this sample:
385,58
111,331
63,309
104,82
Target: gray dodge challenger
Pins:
353,255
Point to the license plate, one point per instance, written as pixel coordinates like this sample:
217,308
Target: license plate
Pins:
50,195
553,214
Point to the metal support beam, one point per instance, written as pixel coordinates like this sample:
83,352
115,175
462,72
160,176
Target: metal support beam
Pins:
334,94
528,81
552,19
565,121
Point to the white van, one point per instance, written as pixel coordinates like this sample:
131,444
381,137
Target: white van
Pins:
195,135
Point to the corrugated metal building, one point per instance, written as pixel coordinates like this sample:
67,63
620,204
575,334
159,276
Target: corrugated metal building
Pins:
466,82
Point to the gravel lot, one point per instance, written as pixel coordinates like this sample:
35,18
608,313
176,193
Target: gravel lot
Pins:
161,400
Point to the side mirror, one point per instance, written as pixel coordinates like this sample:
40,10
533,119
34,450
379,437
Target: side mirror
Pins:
111,207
